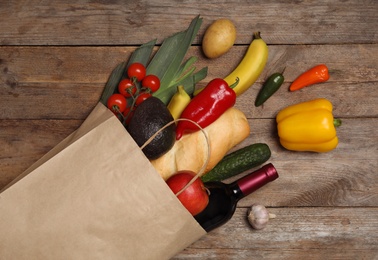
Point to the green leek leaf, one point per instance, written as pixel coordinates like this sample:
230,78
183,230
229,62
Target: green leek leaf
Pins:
112,82
184,68
188,83
168,59
142,54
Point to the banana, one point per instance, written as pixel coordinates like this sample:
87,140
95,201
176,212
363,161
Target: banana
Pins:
178,102
251,66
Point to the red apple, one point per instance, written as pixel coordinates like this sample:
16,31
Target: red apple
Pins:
194,197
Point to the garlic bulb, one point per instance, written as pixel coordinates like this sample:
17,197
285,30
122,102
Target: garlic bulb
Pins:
258,216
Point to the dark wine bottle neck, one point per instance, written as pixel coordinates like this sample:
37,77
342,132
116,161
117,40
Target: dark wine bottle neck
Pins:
253,181
236,191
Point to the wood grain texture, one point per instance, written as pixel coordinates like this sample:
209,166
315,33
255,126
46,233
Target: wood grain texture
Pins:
296,233
98,22
55,58
80,73
344,177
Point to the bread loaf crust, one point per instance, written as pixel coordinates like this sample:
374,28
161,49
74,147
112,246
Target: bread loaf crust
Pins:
191,151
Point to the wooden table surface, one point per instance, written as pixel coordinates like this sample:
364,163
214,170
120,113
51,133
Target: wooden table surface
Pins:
55,58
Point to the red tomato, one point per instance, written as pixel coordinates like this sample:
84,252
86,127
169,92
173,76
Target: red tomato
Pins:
136,71
142,97
117,103
126,88
152,82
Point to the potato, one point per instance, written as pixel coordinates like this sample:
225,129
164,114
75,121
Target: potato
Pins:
219,38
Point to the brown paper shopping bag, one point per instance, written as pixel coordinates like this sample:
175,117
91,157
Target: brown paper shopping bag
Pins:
93,196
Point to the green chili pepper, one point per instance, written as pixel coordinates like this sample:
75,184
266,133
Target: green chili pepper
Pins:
270,86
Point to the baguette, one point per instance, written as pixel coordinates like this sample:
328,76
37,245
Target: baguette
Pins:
191,151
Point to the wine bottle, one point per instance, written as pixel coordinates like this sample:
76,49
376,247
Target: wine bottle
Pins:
224,197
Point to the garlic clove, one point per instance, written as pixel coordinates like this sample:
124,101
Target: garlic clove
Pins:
258,216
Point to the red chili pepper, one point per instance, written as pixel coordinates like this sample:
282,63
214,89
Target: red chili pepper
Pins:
314,75
207,106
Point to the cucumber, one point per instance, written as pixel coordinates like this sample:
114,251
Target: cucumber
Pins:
238,162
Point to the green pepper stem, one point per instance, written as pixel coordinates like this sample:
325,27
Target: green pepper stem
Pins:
337,122
235,83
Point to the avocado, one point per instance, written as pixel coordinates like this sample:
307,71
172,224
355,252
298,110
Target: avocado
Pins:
148,118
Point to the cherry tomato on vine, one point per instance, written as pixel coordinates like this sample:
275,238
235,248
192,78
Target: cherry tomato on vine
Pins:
142,97
136,71
126,88
117,103
128,113
152,82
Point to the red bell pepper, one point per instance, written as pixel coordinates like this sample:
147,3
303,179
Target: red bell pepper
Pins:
207,106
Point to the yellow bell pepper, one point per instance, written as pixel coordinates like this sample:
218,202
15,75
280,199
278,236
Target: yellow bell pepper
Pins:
308,126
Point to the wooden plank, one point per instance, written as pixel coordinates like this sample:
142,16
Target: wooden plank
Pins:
296,233
347,63
41,77
115,22
344,177
75,101
357,138
282,253
349,99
